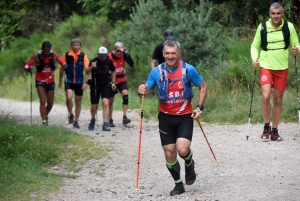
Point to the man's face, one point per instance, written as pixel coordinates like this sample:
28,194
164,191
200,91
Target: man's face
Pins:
46,51
276,15
75,46
171,55
101,57
118,51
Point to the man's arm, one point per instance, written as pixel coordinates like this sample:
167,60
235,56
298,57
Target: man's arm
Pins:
202,93
129,60
255,46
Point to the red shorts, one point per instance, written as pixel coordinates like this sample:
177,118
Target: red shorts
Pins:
277,78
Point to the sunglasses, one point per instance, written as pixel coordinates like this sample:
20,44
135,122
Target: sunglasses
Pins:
119,51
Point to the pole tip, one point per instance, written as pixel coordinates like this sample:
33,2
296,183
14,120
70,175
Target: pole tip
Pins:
217,161
137,190
247,137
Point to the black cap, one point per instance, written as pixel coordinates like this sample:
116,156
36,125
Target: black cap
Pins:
168,34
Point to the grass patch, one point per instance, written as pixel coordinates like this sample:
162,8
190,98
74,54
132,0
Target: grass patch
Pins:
27,152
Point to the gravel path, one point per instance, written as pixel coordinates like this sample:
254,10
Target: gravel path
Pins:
247,170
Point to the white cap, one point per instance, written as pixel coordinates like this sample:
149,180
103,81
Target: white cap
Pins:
102,51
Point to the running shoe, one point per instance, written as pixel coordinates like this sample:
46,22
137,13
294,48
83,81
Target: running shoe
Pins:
126,120
266,133
75,124
71,119
92,124
178,189
111,123
275,136
105,126
190,175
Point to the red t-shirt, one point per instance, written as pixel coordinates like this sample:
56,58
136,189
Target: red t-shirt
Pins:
120,68
181,106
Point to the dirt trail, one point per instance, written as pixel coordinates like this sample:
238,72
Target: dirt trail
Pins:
247,170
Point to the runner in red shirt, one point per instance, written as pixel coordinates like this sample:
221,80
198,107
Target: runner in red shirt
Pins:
118,56
44,61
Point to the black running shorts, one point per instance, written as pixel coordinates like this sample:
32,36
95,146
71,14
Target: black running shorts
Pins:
120,87
48,86
77,88
103,91
172,127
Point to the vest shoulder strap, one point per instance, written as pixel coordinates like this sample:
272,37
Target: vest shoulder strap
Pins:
263,36
285,32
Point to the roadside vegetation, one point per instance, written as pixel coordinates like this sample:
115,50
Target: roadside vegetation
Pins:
27,153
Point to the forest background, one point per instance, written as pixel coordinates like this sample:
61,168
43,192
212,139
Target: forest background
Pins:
215,37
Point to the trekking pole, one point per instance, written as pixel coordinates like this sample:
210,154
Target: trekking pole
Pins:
139,147
252,92
30,97
297,79
207,140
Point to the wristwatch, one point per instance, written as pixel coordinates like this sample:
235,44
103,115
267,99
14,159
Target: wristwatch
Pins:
201,107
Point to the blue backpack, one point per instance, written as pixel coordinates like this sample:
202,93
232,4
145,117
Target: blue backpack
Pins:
164,81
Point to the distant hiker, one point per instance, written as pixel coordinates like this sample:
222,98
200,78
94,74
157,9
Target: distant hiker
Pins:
158,51
174,79
101,83
269,51
118,56
76,61
44,61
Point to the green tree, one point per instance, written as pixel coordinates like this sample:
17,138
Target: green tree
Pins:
200,38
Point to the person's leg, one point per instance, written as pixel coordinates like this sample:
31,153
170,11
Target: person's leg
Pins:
168,141
50,97
277,108
105,111
265,102
184,137
42,96
125,101
50,101
78,98
77,107
111,106
280,80
105,94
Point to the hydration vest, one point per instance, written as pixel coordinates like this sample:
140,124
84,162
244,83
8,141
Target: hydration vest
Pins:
41,65
74,70
163,94
286,36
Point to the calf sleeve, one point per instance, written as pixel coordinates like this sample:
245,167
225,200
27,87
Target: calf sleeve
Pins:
125,100
174,169
188,158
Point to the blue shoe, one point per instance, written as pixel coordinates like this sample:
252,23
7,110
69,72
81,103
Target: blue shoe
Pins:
105,127
92,124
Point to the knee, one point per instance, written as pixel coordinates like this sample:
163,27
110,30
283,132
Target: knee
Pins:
105,103
265,98
277,100
183,151
125,100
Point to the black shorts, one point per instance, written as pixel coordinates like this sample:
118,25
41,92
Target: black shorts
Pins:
77,88
120,87
172,127
103,91
48,86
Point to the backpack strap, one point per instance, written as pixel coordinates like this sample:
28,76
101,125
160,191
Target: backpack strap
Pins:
286,34
263,37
